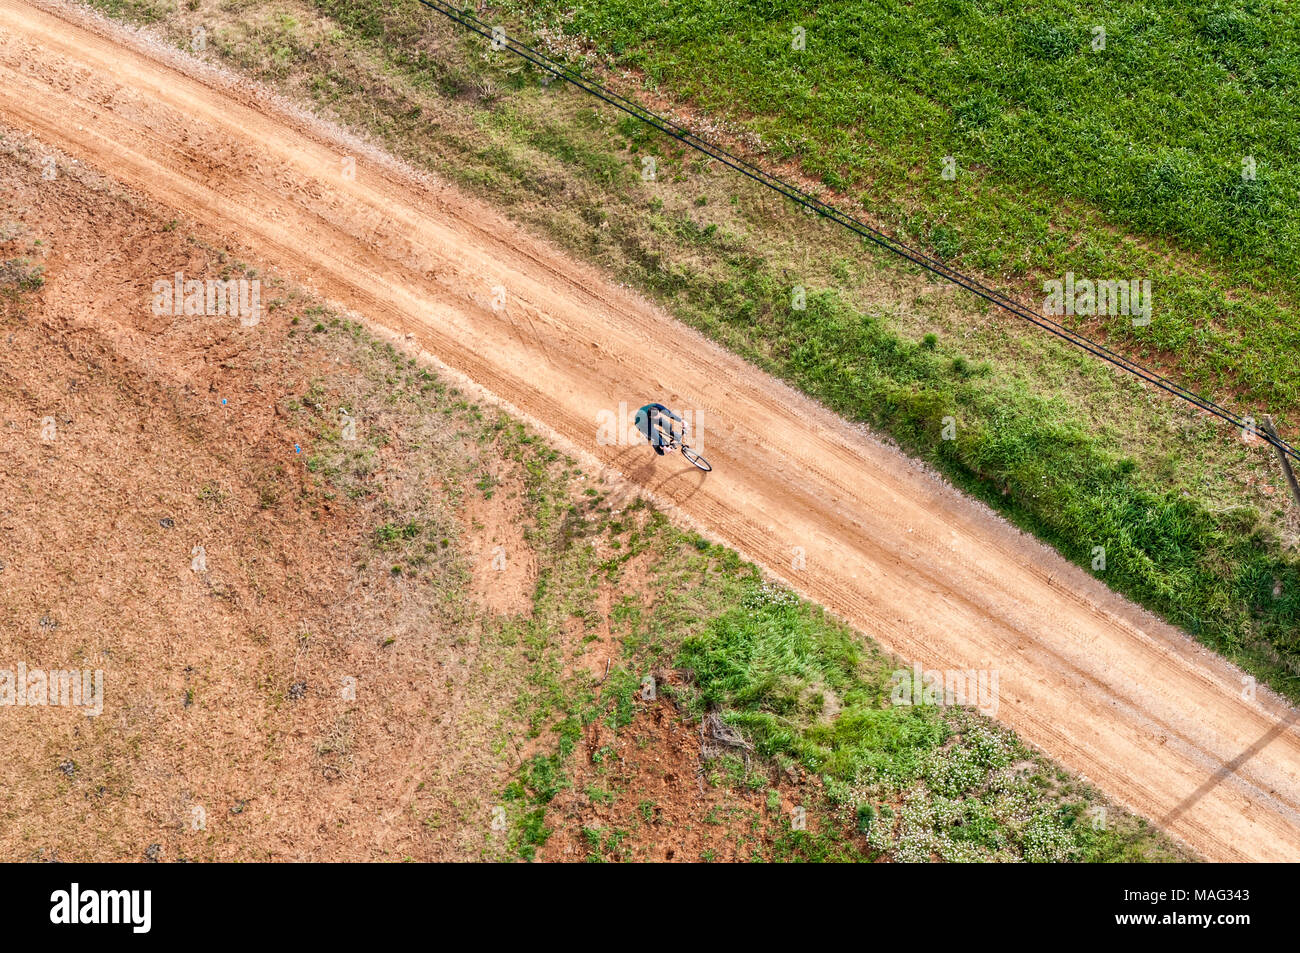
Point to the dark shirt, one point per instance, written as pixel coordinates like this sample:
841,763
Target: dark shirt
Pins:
655,423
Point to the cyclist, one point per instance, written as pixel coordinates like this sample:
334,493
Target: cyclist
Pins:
656,423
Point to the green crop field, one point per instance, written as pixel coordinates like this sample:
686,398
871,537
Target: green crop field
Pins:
1144,113
1114,140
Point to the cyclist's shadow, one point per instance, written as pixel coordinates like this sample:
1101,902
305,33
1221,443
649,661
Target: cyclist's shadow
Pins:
676,485
681,485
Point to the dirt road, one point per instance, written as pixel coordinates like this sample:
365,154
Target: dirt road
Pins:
1135,706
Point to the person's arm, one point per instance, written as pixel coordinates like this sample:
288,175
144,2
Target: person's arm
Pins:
678,433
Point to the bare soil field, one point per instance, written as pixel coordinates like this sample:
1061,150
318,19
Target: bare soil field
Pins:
1157,722
229,732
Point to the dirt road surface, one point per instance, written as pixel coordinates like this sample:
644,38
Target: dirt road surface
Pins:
1159,723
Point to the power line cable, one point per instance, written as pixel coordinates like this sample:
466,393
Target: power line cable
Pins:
501,40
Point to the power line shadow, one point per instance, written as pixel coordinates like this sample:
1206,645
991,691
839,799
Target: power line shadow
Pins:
1230,768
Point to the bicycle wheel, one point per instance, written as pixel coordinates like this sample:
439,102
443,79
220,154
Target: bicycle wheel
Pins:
696,459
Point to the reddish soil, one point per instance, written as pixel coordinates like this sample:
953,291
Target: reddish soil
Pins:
226,732
647,793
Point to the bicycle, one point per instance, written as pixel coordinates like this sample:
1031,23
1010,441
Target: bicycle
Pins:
649,420
690,455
